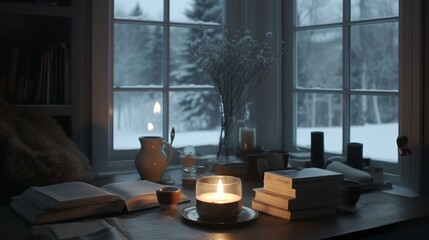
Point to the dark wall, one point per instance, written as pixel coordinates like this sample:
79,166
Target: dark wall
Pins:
425,67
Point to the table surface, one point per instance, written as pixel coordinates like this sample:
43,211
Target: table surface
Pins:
379,212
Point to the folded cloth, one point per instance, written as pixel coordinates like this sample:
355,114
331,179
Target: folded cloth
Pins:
352,173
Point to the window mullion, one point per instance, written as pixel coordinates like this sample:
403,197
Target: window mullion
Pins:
166,70
346,73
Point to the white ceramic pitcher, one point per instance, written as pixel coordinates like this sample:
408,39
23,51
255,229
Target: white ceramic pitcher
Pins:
151,160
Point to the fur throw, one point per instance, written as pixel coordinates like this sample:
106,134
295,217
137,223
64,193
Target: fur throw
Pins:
35,151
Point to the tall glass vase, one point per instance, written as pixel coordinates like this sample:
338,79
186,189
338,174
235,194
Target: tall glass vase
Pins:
227,139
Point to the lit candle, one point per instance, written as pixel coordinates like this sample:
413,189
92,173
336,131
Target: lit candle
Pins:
247,138
217,200
219,196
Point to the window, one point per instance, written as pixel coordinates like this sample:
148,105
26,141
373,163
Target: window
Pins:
139,54
352,79
347,74
155,86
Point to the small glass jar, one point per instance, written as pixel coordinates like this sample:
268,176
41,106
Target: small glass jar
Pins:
247,132
189,170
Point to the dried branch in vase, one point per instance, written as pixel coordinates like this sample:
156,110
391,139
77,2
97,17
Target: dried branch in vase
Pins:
234,63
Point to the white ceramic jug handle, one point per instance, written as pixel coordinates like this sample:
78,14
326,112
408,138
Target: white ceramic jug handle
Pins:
170,151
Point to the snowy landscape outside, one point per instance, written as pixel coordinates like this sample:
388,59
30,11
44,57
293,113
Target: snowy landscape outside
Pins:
139,75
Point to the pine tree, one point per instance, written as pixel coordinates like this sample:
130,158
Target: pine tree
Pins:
201,107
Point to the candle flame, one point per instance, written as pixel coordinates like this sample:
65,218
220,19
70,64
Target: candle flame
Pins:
157,108
150,126
219,189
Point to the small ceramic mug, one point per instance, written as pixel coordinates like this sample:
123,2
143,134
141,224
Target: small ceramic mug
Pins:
168,197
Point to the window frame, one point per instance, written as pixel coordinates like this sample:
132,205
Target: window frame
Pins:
165,88
280,120
406,172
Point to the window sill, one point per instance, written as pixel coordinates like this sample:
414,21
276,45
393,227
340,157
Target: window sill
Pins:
401,191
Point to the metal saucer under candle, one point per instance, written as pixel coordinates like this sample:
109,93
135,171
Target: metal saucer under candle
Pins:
246,216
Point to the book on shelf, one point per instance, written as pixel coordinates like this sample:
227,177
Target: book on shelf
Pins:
37,74
71,200
13,72
291,203
299,177
292,215
302,191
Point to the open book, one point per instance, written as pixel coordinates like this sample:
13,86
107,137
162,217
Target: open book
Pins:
72,200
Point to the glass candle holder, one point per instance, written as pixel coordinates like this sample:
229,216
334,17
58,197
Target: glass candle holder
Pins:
218,198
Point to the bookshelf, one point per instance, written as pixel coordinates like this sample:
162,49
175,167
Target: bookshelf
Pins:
44,61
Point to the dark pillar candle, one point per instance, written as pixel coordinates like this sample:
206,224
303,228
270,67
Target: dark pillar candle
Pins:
317,149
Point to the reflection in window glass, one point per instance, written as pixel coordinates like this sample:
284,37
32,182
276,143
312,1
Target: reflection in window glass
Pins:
319,112
195,117
137,55
136,114
319,58
368,9
374,122
139,9
191,11
142,78
374,56
316,12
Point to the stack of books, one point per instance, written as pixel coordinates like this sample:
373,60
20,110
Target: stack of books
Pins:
299,193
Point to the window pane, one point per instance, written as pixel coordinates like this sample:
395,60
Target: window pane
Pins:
185,72
367,9
191,11
139,9
137,55
319,58
195,117
374,123
374,56
136,114
315,12
319,112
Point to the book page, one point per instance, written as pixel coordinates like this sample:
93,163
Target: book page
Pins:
138,194
34,215
67,195
128,190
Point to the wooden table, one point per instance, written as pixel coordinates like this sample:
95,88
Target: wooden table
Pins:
380,213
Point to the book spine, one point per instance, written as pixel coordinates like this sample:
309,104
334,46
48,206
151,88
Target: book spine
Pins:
278,180
290,192
13,73
306,191
274,200
270,178
265,208
292,215
292,204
